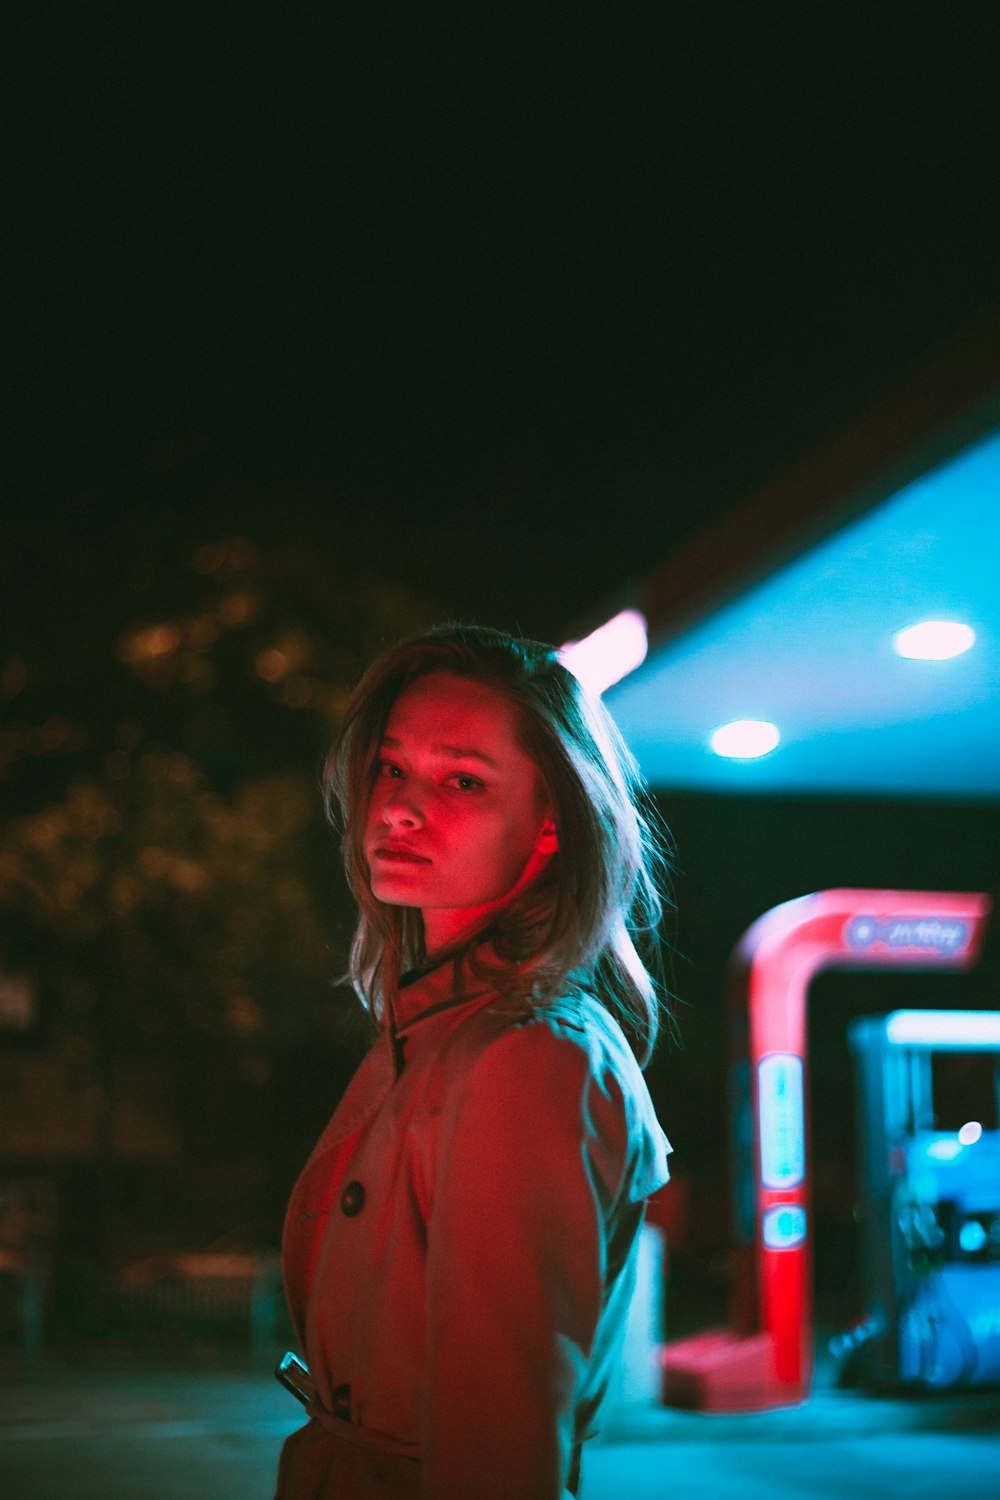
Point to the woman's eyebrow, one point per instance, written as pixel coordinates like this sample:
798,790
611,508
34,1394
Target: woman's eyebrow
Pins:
457,752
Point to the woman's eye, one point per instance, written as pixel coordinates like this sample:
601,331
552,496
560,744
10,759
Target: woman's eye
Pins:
467,783
386,768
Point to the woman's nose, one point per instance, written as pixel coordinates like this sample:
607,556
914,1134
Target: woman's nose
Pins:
402,809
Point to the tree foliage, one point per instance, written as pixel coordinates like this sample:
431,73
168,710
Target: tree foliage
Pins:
166,875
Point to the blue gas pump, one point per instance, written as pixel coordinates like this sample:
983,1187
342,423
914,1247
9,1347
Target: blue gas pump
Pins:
929,1183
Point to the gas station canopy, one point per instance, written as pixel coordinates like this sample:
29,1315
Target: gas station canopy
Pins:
779,658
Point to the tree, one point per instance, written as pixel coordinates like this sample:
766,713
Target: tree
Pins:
166,874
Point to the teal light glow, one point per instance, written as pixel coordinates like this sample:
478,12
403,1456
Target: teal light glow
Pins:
972,1236
934,640
745,739
813,642
946,1149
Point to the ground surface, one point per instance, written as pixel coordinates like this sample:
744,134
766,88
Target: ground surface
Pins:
127,1430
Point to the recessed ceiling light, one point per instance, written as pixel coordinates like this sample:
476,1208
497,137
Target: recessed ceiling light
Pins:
744,739
934,640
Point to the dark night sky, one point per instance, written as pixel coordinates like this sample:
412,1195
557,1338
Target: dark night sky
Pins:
506,307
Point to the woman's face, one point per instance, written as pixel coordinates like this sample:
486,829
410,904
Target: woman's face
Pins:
459,816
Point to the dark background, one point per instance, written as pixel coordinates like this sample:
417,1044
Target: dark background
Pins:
506,303
482,312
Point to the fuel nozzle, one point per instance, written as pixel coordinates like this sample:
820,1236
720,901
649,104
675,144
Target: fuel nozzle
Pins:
922,1235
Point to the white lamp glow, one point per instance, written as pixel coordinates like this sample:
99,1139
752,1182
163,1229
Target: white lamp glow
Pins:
934,640
608,653
970,1133
745,739
967,1029
945,1149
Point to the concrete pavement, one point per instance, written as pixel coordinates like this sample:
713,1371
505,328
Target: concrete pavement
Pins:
128,1430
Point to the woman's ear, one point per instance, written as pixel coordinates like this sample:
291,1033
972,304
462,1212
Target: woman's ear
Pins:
548,840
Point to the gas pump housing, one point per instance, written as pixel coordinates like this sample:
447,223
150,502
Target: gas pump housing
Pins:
930,1204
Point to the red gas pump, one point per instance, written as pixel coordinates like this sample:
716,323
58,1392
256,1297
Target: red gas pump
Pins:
764,1358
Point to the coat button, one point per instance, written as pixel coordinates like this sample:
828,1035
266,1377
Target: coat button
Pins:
340,1402
352,1199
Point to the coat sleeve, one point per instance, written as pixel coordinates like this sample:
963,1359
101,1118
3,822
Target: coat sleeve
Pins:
533,1150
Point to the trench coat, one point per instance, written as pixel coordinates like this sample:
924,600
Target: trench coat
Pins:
459,1251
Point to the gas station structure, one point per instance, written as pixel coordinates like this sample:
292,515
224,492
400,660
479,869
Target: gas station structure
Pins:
850,608
764,1357
839,633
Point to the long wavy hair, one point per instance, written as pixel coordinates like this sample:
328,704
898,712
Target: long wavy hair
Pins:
590,920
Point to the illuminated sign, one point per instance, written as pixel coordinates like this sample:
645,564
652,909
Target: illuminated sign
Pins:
782,1120
930,934
784,1227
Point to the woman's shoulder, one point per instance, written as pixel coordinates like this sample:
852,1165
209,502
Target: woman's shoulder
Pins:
573,1025
559,1064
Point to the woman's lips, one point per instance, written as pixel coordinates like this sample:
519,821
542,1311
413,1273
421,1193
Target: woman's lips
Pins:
404,856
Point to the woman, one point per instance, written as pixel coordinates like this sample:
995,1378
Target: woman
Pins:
459,1252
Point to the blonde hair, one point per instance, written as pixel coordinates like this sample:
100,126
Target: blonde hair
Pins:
590,920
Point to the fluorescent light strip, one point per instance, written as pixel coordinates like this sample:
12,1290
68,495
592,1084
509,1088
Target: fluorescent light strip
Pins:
608,653
944,1028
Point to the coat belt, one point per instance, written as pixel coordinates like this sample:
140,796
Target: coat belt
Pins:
353,1432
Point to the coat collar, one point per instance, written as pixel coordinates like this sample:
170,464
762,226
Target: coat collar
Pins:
422,994
425,1002
437,994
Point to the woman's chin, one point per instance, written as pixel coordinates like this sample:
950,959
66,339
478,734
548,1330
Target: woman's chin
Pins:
396,892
